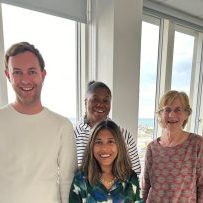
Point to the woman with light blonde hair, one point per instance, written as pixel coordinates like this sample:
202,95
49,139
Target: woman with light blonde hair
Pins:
174,161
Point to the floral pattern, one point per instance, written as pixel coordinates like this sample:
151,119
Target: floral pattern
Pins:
121,192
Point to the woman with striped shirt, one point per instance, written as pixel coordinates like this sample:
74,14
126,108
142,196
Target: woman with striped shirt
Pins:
98,105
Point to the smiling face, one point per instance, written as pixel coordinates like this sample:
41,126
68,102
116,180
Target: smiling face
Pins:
173,116
26,78
98,104
105,149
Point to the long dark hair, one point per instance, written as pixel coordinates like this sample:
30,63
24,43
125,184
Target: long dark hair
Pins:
122,165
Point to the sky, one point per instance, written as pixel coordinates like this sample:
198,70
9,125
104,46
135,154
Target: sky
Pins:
181,73
55,38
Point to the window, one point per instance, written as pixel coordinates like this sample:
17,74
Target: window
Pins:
55,38
148,71
182,62
160,72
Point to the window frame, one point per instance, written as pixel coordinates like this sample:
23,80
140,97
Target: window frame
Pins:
3,80
168,26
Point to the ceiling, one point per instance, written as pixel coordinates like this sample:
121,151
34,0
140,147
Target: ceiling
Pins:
192,7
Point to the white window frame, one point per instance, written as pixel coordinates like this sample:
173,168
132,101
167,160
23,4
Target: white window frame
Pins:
80,67
168,26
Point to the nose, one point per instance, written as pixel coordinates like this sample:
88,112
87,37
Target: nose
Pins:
25,78
104,147
100,103
172,113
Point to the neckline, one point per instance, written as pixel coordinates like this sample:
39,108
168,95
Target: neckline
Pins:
107,183
173,147
26,115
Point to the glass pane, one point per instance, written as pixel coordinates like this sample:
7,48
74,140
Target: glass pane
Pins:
55,38
182,62
148,70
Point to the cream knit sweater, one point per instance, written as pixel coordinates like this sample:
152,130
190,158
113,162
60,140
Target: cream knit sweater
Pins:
37,157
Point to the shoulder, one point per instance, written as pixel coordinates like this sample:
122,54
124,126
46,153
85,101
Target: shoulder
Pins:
133,178
151,146
81,123
57,118
80,178
79,174
124,131
4,108
133,175
7,112
126,134
153,143
196,139
82,127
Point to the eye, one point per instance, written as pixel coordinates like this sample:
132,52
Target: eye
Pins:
107,101
178,110
17,72
167,110
111,141
95,100
98,142
32,72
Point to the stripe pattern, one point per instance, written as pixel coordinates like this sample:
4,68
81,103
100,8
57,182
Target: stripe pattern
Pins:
83,132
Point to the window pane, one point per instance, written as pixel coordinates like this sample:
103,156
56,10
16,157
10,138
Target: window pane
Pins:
182,62
148,70
55,38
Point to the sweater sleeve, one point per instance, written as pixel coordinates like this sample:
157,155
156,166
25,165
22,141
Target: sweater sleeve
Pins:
200,173
146,184
66,161
132,150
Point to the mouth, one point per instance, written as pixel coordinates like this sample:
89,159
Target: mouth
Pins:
26,89
172,122
104,156
99,111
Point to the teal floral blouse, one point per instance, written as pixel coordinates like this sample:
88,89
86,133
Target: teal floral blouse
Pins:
121,192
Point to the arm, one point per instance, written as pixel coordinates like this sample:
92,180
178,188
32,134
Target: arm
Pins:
200,173
75,192
136,187
66,161
132,150
146,184
82,134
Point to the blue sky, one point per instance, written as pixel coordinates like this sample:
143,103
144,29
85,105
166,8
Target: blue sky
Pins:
182,63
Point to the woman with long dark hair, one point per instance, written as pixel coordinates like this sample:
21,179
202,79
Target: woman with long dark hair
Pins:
106,172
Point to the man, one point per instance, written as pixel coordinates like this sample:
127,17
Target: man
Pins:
37,147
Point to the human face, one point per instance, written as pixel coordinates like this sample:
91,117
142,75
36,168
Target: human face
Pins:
173,116
26,78
98,105
105,149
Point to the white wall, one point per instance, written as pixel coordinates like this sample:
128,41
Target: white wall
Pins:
3,89
117,30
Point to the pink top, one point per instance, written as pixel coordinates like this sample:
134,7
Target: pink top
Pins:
174,174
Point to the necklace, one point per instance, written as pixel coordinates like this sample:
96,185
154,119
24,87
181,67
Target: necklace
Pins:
108,182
